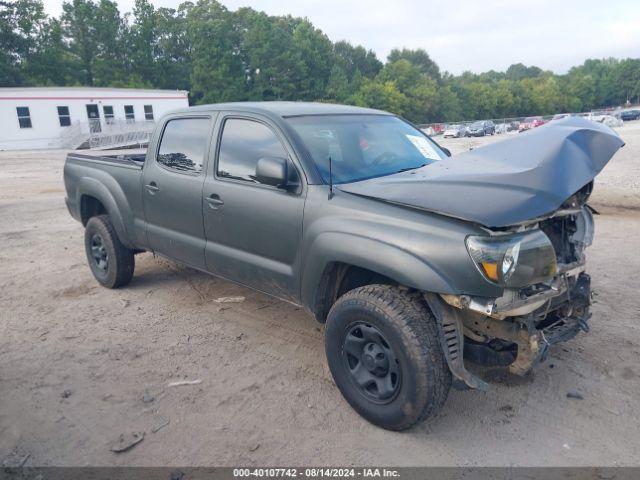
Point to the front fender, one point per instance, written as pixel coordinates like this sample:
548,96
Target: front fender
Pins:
417,249
389,260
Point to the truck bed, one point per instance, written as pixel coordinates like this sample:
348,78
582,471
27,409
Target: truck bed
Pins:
127,157
111,183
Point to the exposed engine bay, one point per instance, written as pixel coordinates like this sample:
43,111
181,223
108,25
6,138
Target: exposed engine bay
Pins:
516,329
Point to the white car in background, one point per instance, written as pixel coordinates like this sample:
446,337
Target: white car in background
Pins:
455,131
611,121
502,128
608,120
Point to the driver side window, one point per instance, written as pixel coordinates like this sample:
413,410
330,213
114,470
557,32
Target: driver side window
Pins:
242,144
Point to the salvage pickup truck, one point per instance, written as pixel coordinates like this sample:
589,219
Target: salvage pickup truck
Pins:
414,259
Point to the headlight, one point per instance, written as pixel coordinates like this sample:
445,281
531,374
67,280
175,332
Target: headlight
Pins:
514,260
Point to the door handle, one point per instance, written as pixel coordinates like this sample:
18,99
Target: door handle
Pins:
152,187
214,201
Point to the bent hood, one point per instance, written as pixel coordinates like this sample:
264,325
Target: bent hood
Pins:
507,182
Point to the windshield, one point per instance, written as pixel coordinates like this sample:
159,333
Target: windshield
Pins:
477,125
363,146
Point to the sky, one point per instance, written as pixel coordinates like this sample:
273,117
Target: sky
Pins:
464,35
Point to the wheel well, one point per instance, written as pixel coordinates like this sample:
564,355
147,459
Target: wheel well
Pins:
339,278
90,207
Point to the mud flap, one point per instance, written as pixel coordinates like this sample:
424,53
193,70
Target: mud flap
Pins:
452,341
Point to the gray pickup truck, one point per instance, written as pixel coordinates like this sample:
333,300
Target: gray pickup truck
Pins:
414,259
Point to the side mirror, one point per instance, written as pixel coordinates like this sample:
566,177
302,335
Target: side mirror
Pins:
272,171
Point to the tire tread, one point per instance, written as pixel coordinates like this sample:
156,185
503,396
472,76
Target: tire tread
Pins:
410,315
124,257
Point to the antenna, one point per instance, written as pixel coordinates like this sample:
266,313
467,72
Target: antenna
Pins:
330,179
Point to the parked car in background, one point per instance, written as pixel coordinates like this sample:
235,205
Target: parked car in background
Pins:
482,128
560,116
502,127
611,121
438,128
530,122
455,131
630,115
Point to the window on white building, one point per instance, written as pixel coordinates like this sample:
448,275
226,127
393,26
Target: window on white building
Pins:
108,114
64,117
128,113
24,117
148,112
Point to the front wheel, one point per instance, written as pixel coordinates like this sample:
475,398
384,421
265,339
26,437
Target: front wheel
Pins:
384,354
112,264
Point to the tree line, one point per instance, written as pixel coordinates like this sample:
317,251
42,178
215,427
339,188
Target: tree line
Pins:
221,55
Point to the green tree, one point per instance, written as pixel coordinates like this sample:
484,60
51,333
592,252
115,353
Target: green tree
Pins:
338,87
356,60
419,88
448,106
420,58
143,39
217,71
271,66
173,61
505,101
11,43
79,32
519,71
480,101
110,60
221,55
314,50
21,26
50,63
627,81
384,96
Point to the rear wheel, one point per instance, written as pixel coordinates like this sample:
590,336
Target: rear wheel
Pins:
384,354
112,264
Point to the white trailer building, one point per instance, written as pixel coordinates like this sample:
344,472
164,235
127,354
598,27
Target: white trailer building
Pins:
70,117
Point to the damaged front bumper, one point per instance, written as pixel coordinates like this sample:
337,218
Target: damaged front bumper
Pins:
515,329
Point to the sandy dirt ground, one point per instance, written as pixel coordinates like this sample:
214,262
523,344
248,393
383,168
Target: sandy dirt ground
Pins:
80,365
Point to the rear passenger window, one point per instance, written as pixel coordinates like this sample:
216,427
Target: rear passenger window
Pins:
243,143
183,144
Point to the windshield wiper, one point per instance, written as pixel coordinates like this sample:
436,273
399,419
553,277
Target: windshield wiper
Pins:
406,169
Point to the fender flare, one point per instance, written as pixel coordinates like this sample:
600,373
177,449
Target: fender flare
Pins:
385,259
98,190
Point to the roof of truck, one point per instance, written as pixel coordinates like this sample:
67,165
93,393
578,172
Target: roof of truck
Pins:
287,109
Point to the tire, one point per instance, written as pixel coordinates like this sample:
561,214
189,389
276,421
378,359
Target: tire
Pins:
111,263
384,319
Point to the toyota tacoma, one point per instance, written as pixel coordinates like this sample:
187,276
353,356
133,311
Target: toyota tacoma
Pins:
416,261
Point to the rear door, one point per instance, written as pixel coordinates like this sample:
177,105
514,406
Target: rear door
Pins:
253,230
172,189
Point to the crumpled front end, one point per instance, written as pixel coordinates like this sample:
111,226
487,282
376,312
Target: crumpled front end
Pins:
504,183
517,328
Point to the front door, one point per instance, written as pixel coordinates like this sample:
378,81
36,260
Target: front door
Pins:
172,190
253,230
93,114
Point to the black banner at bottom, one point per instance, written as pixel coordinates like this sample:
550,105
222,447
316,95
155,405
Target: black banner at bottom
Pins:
405,473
